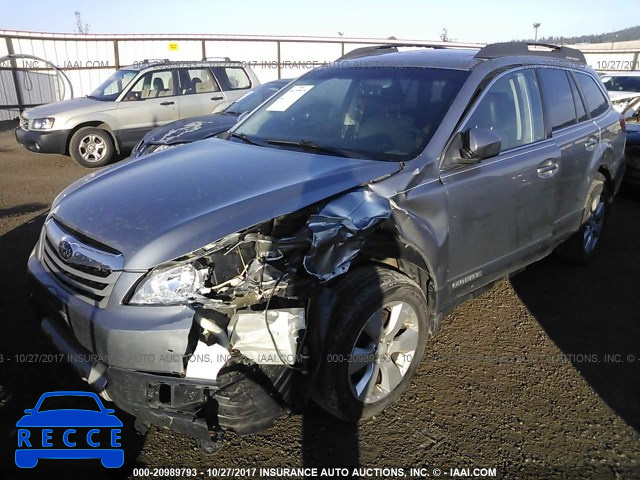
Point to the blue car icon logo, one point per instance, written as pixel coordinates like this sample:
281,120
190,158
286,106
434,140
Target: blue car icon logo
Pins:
54,429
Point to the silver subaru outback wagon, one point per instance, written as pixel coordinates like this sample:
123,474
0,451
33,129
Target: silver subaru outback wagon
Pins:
310,252
130,103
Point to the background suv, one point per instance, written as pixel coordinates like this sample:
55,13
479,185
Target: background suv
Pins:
130,103
313,251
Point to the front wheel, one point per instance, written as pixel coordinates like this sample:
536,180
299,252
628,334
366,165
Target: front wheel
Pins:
91,147
377,339
582,246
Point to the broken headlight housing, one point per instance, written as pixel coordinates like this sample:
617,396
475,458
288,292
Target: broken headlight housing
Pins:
181,281
170,285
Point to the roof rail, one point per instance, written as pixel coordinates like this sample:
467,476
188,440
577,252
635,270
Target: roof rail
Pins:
497,50
224,59
392,48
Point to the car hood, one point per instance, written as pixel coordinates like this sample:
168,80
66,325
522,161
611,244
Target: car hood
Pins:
190,129
157,208
74,105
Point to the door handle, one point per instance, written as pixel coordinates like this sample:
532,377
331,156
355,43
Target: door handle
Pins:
217,98
591,143
548,168
164,104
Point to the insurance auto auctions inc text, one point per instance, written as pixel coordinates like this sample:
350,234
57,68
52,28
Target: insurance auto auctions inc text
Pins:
363,472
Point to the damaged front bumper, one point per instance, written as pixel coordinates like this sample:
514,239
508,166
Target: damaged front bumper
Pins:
244,398
234,349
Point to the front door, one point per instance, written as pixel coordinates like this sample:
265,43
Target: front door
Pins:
150,103
501,209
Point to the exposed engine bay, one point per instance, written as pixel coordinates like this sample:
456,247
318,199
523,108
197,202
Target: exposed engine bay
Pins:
257,285
263,306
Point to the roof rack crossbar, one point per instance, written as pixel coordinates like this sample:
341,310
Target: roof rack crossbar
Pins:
497,50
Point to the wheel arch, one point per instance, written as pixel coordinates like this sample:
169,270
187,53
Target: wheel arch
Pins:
96,124
393,251
604,170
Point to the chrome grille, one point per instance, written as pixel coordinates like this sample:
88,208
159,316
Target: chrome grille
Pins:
83,269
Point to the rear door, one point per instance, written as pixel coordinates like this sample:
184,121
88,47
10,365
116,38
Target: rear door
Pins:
200,92
234,81
150,103
501,209
577,137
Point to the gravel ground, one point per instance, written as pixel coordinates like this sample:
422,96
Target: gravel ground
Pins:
538,378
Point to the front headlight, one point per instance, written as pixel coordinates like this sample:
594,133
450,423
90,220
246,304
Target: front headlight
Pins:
169,286
43,123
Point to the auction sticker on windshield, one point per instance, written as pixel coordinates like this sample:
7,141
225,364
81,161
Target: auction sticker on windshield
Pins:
289,98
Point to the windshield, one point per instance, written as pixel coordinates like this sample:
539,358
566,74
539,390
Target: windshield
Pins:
66,402
113,86
376,113
622,84
253,98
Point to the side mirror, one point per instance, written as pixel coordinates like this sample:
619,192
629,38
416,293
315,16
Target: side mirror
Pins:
478,144
29,411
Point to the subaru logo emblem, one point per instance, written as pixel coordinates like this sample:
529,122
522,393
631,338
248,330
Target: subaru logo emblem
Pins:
65,249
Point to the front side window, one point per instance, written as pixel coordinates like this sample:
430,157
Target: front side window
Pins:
596,101
112,86
235,77
382,113
152,85
558,98
511,107
197,80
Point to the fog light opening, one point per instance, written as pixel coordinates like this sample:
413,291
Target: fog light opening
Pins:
164,394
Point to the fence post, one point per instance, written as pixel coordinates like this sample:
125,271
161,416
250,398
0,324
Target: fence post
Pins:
634,65
279,66
116,54
14,74
204,49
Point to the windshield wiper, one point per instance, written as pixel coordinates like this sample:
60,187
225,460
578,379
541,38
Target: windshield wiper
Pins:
244,138
309,145
91,97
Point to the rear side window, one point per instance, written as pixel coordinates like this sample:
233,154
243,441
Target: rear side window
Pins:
234,77
512,108
558,98
582,113
597,103
197,80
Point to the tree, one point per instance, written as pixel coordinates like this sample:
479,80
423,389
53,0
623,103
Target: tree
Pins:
444,36
80,28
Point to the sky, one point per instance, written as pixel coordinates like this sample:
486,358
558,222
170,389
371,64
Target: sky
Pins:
480,21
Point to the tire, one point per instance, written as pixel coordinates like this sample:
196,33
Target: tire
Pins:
582,246
91,147
368,363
